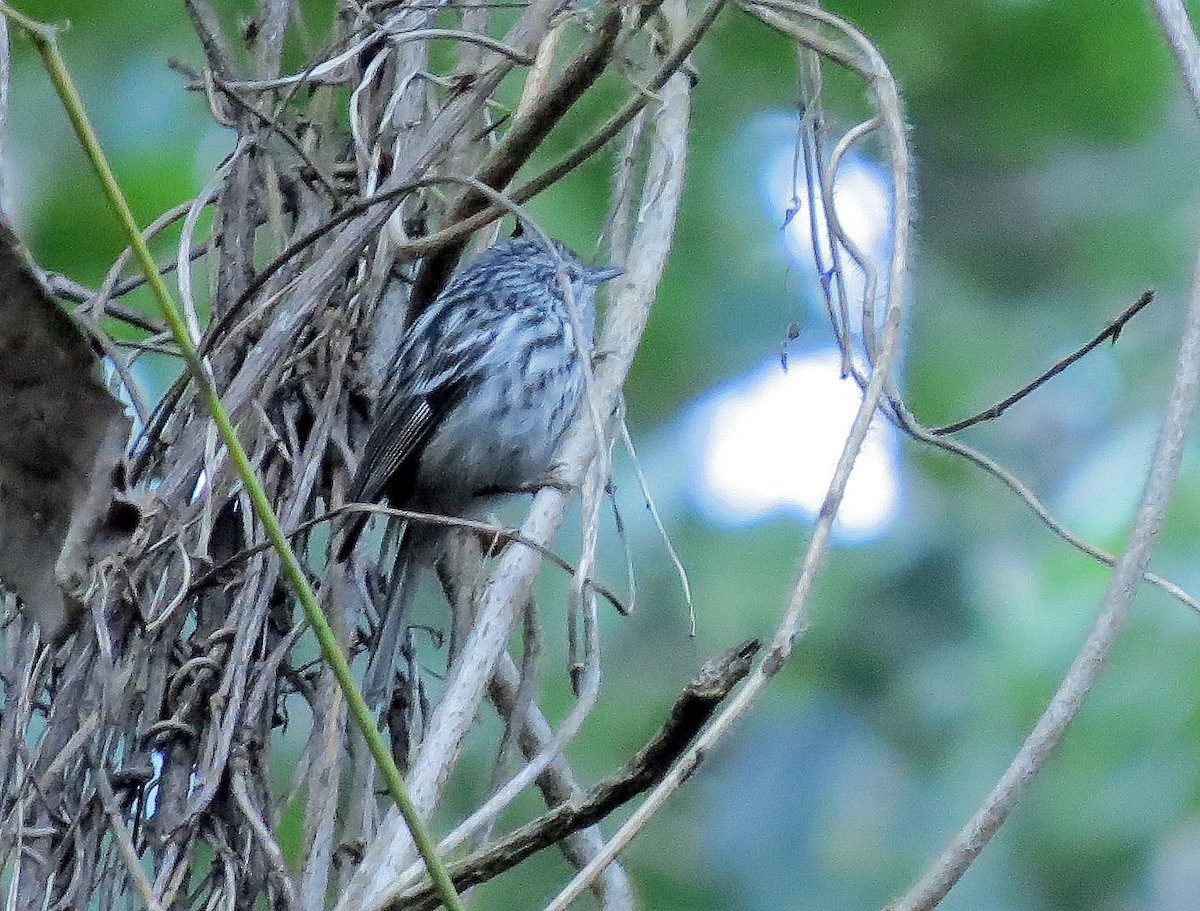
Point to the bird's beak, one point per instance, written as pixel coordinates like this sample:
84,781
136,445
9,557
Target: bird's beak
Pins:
596,276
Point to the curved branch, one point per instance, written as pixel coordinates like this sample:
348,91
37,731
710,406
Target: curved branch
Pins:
795,616
1089,663
692,709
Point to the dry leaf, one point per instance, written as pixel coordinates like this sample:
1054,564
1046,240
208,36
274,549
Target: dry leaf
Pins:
62,507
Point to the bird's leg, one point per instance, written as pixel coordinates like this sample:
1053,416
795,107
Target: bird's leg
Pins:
553,480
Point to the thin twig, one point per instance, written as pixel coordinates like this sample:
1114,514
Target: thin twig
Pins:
1090,662
267,843
647,497
222,570
346,56
558,785
69,289
116,825
1109,333
795,615
453,233
519,143
605,133
273,124
908,424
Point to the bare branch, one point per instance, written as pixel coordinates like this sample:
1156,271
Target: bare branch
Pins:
1090,662
1109,333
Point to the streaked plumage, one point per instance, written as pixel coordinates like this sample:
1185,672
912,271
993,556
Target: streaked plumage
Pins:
477,399
483,386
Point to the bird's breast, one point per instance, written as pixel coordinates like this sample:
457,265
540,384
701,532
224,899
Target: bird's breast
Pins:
504,433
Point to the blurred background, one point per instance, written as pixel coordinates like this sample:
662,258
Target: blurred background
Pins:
1056,179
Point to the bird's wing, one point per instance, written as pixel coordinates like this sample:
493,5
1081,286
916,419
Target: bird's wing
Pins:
405,423
427,383
393,453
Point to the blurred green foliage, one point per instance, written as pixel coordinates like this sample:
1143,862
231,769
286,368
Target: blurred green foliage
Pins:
1055,180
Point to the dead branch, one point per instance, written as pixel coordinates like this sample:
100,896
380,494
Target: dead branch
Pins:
691,711
1108,333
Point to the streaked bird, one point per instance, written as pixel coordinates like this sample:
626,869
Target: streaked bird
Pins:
477,399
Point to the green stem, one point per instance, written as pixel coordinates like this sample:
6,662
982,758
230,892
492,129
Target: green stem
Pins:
44,39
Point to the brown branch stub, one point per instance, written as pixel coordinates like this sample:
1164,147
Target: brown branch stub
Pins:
691,711
1110,333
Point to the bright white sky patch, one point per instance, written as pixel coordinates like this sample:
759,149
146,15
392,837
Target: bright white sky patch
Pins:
770,442
860,194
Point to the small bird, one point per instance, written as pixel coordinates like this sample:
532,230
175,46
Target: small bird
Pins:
480,392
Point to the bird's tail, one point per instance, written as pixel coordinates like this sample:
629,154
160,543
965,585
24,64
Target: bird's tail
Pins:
395,612
353,526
